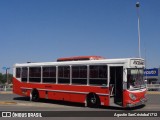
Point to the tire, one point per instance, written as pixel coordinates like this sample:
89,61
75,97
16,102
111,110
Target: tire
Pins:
34,95
93,100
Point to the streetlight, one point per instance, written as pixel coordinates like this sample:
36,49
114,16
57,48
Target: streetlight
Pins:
139,40
6,69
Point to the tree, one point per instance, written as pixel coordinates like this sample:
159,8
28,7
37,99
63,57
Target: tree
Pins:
3,79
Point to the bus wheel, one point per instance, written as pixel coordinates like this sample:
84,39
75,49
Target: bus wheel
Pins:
93,100
34,96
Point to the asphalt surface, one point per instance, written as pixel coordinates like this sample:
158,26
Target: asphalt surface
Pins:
12,102
24,104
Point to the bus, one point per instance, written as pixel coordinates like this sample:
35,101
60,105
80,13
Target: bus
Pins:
93,82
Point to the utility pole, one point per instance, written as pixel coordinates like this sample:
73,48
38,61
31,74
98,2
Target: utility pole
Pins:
139,38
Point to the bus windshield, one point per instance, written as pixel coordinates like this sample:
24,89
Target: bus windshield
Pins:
135,78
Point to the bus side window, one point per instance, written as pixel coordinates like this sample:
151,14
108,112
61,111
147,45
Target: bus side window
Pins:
18,72
35,74
79,75
24,74
64,74
98,75
49,75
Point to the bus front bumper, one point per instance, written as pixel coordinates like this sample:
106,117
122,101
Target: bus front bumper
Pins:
141,102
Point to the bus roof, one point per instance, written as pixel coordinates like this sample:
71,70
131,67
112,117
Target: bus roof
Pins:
83,62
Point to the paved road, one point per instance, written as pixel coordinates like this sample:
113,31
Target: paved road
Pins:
23,103
19,103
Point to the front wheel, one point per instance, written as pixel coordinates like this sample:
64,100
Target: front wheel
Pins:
93,100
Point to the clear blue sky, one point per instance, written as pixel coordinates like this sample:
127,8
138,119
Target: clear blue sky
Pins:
43,30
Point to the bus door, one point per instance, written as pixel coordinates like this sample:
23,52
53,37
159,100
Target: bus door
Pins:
116,85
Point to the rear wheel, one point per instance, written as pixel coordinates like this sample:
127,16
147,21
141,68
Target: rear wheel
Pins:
93,100
34,96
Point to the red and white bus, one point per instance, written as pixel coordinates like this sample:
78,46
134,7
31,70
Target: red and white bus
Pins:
94,82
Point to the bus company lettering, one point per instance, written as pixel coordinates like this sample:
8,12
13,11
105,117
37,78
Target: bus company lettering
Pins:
150,72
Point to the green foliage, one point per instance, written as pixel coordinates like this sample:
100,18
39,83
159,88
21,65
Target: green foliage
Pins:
3,79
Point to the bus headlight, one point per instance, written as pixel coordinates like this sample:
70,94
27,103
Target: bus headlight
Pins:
132,96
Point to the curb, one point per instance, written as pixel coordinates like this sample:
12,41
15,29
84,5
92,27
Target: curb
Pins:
153,92
7,103
6,92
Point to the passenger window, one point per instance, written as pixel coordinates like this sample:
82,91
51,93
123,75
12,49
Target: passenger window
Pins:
79,75
24,74
64,74
35,74
49,74
98,75
18,72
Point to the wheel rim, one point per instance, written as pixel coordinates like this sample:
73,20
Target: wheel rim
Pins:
93,100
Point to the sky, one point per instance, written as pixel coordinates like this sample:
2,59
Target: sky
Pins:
44,30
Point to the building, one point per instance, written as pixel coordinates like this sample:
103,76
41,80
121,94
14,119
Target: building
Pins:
152,75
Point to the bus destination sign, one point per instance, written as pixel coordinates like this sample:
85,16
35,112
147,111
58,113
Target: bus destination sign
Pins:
137,62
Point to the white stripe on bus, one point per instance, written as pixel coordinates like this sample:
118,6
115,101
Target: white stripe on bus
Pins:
64,91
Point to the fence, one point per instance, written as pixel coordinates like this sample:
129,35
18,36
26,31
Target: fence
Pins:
6,87
153,87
